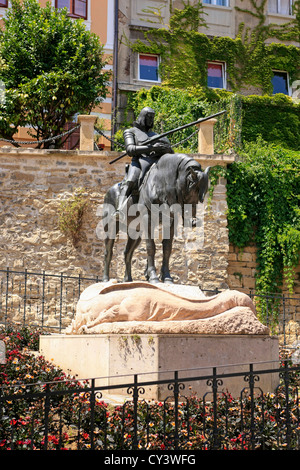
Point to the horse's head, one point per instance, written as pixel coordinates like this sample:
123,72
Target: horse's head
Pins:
197,182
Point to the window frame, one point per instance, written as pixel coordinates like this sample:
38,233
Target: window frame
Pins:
71,9
224,76
287,82
214,3
4,6
278,7
158,63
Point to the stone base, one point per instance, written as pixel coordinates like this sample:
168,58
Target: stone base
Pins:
113,359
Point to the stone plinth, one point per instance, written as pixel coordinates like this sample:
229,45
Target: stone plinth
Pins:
87,123
206,136
123,329
114,358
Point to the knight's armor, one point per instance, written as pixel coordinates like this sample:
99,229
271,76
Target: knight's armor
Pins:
143,155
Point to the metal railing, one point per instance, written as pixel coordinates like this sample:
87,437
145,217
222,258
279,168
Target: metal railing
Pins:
40,299
280,312
75,415
49,301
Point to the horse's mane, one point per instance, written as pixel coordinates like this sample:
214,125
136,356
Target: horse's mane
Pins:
172,161
165,173
179,160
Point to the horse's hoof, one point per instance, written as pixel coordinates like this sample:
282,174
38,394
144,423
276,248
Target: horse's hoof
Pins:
154,280
168,280
105,279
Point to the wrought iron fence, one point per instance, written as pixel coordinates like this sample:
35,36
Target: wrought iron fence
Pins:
280,312
49,301
40,299
76,415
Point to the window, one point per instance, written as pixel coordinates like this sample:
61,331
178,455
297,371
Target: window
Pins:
280,82
283,7
77,8
148,67
222,3
3,3
216,75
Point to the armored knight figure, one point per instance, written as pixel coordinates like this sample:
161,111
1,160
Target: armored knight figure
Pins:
143,155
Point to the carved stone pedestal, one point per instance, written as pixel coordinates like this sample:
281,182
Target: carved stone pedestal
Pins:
122,330
114,359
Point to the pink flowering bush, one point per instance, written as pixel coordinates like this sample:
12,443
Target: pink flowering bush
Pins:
234,424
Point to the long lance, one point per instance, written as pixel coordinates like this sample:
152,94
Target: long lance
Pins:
165,134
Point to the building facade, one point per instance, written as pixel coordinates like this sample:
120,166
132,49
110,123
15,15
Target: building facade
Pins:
223,18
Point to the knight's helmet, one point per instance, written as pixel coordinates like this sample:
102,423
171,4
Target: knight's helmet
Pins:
141,121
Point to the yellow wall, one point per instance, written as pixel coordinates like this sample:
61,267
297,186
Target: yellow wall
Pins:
99,19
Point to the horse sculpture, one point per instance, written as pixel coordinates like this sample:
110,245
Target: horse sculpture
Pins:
175,180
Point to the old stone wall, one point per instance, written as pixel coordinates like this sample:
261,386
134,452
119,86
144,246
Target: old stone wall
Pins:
242,269
32,185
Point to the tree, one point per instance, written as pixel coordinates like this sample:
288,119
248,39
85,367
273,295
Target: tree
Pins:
52,68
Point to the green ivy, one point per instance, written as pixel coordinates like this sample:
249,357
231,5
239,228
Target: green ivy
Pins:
250,57
263,193
275,118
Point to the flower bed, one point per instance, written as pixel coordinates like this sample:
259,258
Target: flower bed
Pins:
72,420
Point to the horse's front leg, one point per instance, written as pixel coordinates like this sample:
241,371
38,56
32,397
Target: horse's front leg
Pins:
151,275
167,250
150,272
131,245
109,244
111,233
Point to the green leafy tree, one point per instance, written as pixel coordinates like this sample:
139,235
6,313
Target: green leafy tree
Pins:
52,68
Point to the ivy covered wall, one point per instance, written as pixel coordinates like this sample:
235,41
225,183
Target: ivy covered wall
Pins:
250,57
274,118
263,194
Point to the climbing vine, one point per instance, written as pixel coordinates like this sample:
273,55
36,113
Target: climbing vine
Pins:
249,58
276,118
263,193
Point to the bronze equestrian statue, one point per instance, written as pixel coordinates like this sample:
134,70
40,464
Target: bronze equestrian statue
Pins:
156,178
143,156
